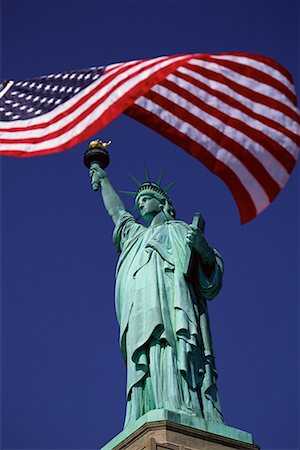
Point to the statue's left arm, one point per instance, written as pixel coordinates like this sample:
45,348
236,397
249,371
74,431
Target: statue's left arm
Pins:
210,263
197,242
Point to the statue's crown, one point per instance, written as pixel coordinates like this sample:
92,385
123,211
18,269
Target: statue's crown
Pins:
153,188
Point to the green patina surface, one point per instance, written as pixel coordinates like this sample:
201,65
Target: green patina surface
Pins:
165,274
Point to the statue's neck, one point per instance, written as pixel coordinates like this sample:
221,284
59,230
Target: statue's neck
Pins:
159,219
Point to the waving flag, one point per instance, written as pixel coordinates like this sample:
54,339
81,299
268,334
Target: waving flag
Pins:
234,112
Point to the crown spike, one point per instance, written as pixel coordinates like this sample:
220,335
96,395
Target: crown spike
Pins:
137,182
147,175
166,189
161,175
132,194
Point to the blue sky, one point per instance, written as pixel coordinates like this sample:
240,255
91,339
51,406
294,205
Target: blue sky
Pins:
62,375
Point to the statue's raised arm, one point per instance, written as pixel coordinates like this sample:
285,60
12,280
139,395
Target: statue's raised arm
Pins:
96,158
112,202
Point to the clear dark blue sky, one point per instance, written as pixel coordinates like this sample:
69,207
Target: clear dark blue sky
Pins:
63,379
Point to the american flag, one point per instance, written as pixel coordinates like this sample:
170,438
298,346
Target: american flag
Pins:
234,112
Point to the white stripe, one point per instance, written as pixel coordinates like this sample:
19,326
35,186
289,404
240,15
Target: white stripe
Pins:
216,103
243,80
272,166
258,108
259,65
94,115
250,183
76,98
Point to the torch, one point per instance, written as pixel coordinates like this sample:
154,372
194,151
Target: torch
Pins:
96,155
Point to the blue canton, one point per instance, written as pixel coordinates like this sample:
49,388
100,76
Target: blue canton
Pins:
32,98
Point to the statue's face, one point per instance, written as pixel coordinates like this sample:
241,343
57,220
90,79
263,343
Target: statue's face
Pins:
149,206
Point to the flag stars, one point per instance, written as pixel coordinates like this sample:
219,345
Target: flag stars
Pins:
40,95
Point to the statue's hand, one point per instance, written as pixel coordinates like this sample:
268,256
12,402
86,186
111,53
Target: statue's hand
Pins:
196,240
97,174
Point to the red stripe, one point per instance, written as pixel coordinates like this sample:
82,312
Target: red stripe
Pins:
249,161
238,105
262,139
255,74
245,203
246,92
264,59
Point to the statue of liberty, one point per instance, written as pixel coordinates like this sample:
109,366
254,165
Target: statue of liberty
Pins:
164,330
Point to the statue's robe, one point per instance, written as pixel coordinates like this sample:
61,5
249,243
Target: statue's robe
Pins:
164,330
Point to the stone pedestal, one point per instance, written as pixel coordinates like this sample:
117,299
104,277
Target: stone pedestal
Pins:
165,434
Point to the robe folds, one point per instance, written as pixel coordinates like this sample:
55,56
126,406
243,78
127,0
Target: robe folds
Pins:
164,329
